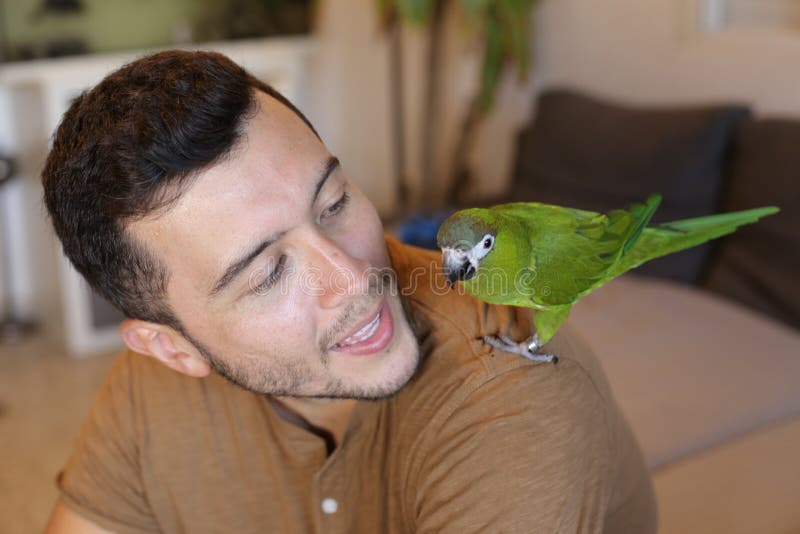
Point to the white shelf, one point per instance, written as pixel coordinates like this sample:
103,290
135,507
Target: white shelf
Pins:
268,52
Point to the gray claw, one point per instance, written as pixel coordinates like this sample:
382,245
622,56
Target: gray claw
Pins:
537,357
527,349
507,340
500,344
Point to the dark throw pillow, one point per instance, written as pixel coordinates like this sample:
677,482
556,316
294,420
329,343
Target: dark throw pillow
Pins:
586,153
759,265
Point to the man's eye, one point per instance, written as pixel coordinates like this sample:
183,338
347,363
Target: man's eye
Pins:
336,207
273,277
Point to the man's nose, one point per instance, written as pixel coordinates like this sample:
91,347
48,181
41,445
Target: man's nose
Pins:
341,276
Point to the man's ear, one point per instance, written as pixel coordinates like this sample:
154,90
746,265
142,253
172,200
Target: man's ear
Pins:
164,344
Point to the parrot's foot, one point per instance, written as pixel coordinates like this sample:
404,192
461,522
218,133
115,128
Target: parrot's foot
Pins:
527,349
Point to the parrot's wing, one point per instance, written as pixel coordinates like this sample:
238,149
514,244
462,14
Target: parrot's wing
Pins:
573,250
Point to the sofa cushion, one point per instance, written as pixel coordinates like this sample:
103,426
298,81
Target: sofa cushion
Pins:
586,153
759,265
691,370
744,486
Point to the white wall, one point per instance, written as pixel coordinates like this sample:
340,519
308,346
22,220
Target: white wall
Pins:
652,51
347,93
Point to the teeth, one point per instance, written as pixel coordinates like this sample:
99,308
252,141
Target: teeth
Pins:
363,333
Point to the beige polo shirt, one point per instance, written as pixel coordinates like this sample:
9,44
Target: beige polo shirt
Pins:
479,441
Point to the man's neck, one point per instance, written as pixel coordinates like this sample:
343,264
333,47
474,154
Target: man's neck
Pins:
330,415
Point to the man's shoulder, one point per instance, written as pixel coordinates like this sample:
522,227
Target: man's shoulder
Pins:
458,369
158,395
133,370
520,425
467,409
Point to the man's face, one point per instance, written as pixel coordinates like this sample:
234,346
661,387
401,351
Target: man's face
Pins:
275,264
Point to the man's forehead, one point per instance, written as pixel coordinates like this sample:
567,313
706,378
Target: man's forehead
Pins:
256,191
277,156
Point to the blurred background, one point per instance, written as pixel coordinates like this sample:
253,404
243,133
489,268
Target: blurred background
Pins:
433,105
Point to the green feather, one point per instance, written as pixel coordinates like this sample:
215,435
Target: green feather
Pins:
643,214
547,257
666,238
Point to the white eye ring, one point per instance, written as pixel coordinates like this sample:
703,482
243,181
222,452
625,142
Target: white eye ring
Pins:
483,247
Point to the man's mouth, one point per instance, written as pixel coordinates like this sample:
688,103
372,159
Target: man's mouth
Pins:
365,332
370,337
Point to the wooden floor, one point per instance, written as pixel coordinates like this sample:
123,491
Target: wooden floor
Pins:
44,396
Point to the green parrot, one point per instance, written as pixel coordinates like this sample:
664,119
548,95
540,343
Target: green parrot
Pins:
547,257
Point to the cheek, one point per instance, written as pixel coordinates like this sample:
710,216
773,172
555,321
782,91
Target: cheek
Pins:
363,235
272,323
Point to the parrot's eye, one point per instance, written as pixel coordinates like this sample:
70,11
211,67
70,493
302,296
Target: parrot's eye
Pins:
483,247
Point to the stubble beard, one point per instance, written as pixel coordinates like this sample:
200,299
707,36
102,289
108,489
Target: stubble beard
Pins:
287,377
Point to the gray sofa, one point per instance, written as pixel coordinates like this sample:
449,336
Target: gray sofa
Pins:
702,348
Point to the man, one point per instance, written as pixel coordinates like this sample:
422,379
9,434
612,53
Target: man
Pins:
290,368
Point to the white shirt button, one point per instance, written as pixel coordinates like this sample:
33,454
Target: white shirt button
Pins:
329,506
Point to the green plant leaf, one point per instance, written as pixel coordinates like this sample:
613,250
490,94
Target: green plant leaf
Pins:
416,11
386,10
504,24
492,60
474,8
516,16
474,13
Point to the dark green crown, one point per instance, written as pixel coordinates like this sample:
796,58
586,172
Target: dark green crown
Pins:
464,228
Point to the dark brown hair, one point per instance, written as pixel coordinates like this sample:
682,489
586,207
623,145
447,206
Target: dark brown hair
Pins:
127,148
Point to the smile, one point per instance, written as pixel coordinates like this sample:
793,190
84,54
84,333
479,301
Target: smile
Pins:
364,333
370,338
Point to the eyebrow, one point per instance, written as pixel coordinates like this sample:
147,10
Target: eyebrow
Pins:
233,271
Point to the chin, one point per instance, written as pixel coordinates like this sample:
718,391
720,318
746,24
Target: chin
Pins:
403,359
401,371
393,371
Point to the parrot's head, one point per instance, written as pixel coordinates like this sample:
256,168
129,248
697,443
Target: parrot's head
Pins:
466,238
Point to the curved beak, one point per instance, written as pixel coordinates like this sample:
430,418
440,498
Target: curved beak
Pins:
457,266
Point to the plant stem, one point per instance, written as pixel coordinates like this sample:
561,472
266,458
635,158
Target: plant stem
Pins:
397,97
430,113
461,178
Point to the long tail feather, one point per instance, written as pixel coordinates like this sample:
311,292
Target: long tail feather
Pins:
665,238
720,221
